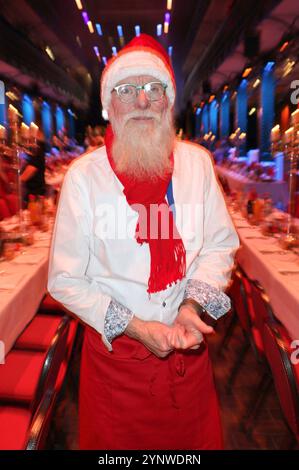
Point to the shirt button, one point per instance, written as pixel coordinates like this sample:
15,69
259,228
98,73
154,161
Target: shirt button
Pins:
164,304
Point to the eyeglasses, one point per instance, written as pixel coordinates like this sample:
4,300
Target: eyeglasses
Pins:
128,92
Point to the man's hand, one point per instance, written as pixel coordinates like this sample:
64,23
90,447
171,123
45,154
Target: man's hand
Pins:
193,327
155,335
161,339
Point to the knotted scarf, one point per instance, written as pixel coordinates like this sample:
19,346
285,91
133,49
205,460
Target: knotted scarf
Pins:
155,225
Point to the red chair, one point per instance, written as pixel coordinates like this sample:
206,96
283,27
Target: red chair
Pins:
21,431
240,294
27,374
14,425
39,334
285,372
4,210
50,306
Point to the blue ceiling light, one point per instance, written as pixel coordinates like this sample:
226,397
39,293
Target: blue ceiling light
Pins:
137,30
159,29
269,66
120,31
99,29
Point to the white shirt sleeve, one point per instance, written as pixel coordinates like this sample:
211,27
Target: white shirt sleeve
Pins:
69,257
220,240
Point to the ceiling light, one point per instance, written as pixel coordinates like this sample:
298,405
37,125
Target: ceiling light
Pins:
79,4
50,53
99,29
85,17
169,4
252,111
120,30
166,28
256,83
97,52
159,29
104,59
90,27
11,96
170,48
114,51
137,30
284,46
247,72
269,66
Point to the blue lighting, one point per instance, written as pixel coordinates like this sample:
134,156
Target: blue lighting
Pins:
28,110
2,104
114,51
137,30
99,29
59,119
159,29
104,59
198,111
225,114
170,48
120,31
47,121
269,66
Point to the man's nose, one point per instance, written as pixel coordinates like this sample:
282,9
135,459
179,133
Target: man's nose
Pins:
142,100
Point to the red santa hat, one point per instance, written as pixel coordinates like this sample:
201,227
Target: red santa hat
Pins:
141,56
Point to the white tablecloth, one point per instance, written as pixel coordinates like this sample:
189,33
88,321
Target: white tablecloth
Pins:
264,260
278,190
22,286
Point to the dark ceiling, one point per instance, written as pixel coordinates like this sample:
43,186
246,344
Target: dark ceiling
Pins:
206,36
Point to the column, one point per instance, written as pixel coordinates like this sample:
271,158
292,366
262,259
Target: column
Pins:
224,114
242,105
47,121
28,110
267,98
214,117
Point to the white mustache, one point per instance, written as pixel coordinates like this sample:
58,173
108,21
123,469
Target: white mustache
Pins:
142,115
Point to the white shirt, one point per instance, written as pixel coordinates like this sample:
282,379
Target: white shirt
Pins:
89,268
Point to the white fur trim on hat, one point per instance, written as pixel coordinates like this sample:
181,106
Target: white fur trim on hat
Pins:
133,63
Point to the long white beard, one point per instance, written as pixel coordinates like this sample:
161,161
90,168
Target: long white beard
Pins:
142,149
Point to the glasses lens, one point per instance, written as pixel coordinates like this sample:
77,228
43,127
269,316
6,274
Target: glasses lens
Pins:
127,93
154,91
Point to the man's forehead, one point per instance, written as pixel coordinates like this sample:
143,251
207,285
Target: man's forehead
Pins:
138,79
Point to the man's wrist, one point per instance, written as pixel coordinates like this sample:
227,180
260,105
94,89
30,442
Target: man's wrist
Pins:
189,302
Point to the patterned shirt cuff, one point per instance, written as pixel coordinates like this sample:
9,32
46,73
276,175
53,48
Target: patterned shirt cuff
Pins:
116,320
215,302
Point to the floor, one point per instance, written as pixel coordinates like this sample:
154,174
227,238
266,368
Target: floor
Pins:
269,429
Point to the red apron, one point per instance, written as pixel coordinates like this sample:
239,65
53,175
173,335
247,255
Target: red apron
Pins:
130,399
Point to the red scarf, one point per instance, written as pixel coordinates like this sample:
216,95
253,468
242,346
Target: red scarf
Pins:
168,255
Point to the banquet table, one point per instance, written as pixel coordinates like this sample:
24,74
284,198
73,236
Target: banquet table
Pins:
277,270
23,283
278,190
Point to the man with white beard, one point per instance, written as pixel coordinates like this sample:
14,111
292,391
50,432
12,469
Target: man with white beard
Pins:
146,380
